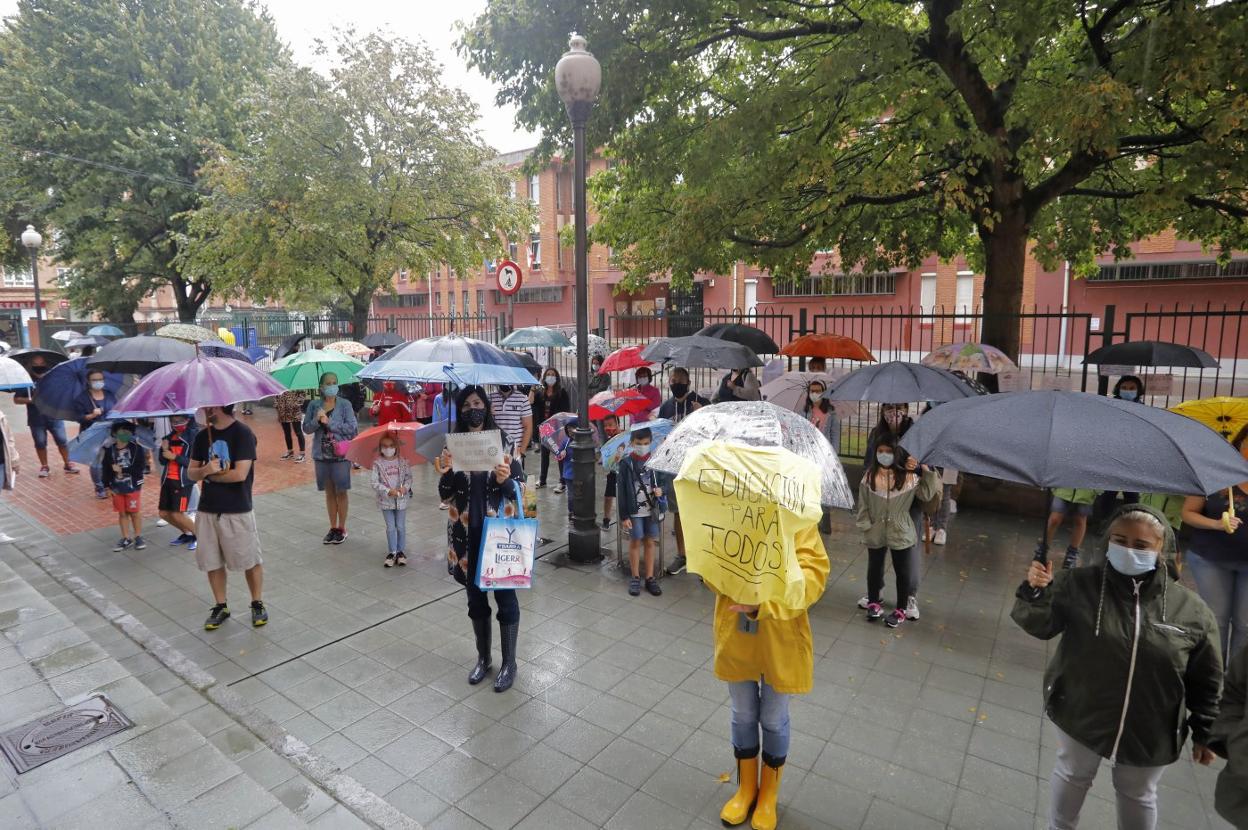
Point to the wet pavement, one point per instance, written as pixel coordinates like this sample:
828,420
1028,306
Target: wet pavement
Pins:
616,719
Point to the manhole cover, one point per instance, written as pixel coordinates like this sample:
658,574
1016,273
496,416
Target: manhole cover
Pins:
49,738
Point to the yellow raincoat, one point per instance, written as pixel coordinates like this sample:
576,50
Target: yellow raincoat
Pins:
782,650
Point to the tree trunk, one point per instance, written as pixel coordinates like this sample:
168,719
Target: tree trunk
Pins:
1005,254
361,305
188,306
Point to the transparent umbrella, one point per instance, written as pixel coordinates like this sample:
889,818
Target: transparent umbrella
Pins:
758,424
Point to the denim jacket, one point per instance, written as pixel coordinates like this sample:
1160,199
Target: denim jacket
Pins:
342,424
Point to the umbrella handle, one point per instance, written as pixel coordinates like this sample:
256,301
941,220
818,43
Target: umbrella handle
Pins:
1230,509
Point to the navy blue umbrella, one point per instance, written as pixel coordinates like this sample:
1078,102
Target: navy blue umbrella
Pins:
257,353
217,348
450,359
59,391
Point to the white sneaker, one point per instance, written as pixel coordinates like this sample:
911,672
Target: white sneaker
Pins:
912,609
940,537
161,523
953,505
864,602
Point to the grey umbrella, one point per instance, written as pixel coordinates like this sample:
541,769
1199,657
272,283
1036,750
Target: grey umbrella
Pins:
1074,439
900,382
535,336
699,352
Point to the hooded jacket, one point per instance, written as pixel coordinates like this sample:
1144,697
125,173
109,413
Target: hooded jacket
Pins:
1138,666
1230,740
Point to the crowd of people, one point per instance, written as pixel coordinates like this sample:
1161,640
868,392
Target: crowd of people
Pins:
1159,650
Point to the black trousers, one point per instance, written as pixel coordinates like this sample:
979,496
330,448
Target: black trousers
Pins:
478,600
287,429
901,570
545,464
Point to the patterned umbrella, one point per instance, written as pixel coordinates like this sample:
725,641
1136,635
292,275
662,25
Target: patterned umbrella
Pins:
186,332
611,452
191,384
970,358
759,424
830,346
619,360
553,427
349,347
13,375
303,370
597,346
535,336
619,403
86,445
1226,416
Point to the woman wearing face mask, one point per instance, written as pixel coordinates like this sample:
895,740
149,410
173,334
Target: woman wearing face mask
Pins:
1129,388
739,385
548,402
1218,556
820,412
1151,646
885,496
476,495
597,383
95,402
645,385
331,421
894,421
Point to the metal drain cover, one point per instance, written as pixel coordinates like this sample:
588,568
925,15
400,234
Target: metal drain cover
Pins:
48,738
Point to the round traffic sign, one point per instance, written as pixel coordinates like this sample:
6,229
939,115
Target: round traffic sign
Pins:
509,277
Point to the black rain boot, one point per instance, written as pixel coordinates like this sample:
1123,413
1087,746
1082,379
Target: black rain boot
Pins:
507,641
482,629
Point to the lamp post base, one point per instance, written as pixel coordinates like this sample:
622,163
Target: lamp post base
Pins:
584,534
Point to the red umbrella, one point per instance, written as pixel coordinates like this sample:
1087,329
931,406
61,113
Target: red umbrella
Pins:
618,403
628,357
363,450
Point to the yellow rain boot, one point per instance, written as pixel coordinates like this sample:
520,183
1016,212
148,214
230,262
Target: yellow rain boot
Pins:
768,791
737,810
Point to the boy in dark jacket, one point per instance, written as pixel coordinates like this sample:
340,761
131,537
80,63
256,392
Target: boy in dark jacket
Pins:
121,473
175,486
641,510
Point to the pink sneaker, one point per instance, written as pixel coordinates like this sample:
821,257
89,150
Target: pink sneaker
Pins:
874,611
896,618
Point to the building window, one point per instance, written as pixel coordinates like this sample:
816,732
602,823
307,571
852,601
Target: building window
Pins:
535,190
14,278
537,294
1147,271
511,189
437,299
480,300
403,300
450,301
402,275
513,250
535,252
835,285
964,296
465,300
927,294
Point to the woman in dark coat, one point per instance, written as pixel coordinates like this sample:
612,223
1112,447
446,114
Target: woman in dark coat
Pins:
549,401
475,496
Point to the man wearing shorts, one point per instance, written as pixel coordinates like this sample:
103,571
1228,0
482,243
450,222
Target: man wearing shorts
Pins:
1078,505
40,425
223,457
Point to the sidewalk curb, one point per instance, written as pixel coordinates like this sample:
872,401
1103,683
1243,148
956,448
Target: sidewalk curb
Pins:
365,804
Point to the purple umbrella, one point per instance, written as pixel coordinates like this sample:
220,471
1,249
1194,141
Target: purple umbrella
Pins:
191,384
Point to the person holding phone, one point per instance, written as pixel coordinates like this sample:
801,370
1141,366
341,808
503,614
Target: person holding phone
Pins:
223,457
477,495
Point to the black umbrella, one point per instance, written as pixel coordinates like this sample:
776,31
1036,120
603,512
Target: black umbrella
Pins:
1152,353
140,355
1074,439
700,352
529,361
288,345
901,382
382,340
26,357
756,340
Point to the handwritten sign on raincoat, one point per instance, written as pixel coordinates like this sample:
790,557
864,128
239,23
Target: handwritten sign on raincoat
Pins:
742,507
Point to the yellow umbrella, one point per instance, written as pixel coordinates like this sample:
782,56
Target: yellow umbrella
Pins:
225,335
1226,416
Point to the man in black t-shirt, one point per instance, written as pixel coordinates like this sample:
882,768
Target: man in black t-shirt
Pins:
223,458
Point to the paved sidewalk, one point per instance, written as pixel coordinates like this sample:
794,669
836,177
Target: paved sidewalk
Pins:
617,720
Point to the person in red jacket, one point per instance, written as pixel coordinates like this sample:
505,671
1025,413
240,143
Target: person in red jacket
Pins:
392,404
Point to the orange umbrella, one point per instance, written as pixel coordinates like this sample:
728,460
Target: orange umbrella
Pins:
827,345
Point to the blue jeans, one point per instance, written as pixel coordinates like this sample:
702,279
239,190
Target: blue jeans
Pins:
39,431
1224,588
756,705
396,529
97,476
644,527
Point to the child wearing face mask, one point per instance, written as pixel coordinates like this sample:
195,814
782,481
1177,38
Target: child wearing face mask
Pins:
548,402
564,457
392,482
641,510
176,487
645,385
121,472
885,496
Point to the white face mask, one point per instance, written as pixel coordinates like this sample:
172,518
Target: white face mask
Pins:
815,397
1129,561
643,381
388,452
885,459
97,385
549,380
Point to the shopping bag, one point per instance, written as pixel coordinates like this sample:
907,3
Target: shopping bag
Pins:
743,507
507,548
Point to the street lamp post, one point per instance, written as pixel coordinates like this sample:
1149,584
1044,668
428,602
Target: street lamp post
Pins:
578,77
32,240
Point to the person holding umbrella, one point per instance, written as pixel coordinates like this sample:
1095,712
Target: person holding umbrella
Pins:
392,481
95,402
549,401
738,385
41,425
1151,645
598,382
820,412
332,421
1129,388
894,422
1218,555
476,495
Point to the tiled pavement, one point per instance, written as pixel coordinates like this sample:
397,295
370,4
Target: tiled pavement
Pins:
616,720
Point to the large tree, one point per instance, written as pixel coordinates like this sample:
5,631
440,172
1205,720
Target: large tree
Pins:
106,108
890,131
350,177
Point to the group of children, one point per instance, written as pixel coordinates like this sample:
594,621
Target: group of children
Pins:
124,465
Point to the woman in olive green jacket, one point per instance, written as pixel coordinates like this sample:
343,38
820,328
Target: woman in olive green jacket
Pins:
1138,667
1230,740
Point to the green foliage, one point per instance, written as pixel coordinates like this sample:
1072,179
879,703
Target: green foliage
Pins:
348,178
891,131
105,110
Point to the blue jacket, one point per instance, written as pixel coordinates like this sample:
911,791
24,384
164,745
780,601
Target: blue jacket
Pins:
565,459
342,424
86,403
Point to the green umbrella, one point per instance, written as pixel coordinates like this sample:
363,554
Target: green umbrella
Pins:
303,370
535,336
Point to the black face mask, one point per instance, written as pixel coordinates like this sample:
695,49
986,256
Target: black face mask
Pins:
37,371
475,417
679,389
